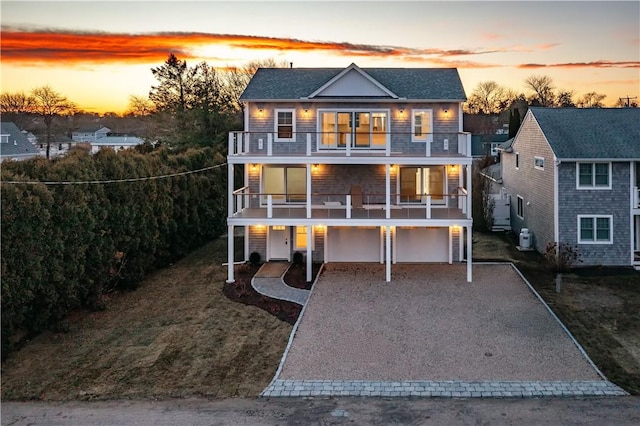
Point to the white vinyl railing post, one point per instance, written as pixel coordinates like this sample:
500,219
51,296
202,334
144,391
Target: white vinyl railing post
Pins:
348,140
231,152
269,206
428,202
269,144
246,142
308,144
348,206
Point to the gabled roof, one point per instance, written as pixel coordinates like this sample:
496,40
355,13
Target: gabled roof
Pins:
590,133
353,81
18,144
279,84
92,129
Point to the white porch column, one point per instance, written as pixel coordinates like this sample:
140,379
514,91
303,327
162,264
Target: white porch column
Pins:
230,186
308,191
230,251
450,246
388,254
309,252
468,192
388,191
469,239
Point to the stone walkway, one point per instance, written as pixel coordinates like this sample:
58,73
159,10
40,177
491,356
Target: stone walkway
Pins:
454,389
268,281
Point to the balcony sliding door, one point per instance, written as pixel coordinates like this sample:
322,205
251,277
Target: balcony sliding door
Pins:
361,129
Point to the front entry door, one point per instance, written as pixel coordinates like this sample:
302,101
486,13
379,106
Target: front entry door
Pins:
279,243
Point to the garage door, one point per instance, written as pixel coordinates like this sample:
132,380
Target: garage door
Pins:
353,244
422,244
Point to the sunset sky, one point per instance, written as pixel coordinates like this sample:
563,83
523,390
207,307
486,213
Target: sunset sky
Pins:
99,53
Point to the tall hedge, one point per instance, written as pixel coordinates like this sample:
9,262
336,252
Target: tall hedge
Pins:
63,246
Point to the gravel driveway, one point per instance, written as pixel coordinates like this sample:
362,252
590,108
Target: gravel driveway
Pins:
429,324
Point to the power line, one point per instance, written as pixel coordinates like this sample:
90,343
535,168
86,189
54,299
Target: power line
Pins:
96,182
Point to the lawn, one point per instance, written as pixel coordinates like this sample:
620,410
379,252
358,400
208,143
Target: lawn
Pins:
178,335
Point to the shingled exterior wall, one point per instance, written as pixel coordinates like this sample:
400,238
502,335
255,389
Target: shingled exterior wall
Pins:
534,185
614,201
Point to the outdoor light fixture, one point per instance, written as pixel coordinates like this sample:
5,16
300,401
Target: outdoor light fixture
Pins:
260,112
254,167
446,111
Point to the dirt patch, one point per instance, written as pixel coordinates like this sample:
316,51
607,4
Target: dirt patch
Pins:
176,336
296,276
600,306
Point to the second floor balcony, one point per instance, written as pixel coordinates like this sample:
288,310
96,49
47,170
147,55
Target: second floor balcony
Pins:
268,144
335,206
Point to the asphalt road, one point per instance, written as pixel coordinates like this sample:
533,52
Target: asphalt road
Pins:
329,411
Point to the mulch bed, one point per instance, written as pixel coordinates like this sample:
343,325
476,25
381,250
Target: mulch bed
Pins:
241,291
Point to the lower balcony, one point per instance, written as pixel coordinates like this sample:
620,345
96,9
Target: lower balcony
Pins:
351,206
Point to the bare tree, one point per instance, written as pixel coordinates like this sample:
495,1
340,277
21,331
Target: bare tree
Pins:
139,106
542,86
236,79
18,103
565,99
49,104
592,100
489,97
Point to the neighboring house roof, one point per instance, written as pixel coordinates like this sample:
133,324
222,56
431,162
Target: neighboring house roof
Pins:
591,132
393,83
16,143
506,145
92,130
479,143
118,140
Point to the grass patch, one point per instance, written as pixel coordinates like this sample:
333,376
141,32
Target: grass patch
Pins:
176,336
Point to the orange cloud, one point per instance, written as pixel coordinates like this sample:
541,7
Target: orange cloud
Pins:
593,64
73,47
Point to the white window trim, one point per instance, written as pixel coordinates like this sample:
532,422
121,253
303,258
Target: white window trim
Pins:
429,138
263,198
519,197
595,230
295,238
293,125
536,158
517,161
387,112
593,176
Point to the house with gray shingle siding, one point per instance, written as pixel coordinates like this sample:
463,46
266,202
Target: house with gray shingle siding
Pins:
14,145
573,177
352,165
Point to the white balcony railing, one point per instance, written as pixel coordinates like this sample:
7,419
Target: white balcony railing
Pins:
348,206
636,197
386,144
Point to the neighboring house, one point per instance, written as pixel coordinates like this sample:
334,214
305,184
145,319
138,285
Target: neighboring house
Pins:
90,134
14,144
486,145
116,143
573,177
352,165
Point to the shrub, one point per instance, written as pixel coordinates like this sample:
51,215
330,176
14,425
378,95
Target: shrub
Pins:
64,246
298,258
561,257
254,258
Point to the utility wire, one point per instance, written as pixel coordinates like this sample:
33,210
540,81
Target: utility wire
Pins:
95,182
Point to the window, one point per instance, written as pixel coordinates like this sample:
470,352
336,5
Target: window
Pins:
361,129
593,175
422,125
285,125
517,160
595,229
300,240
520,207
538,163
416,182
285,184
